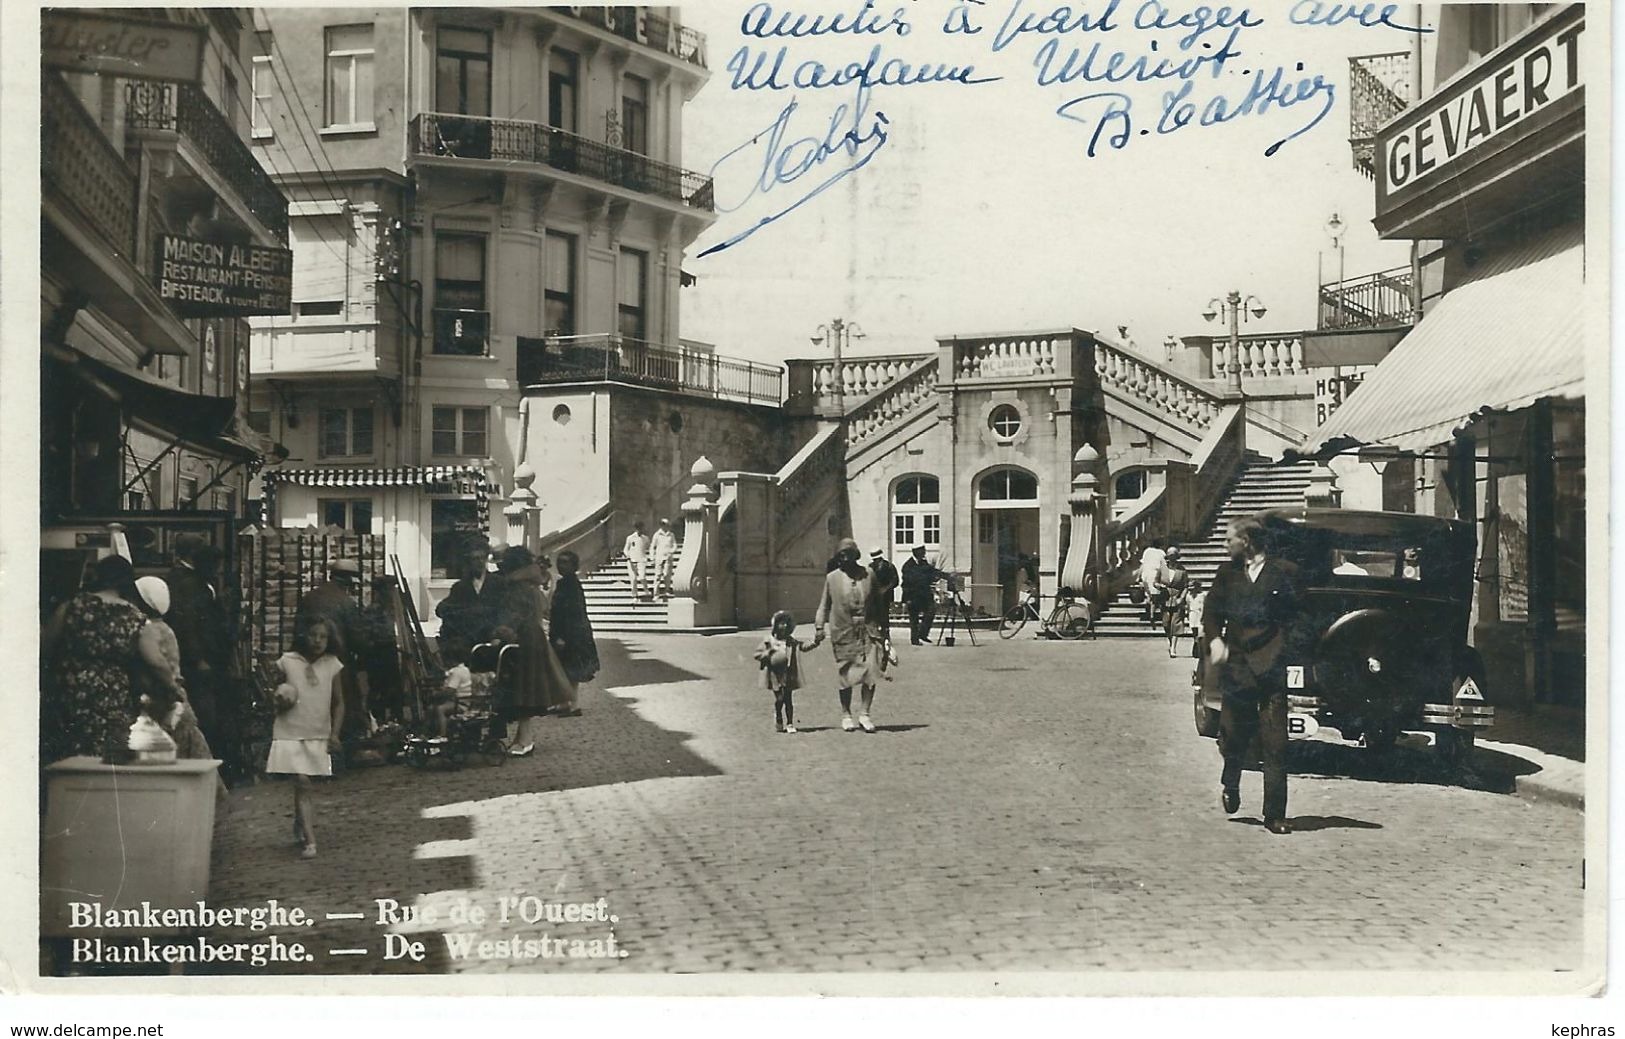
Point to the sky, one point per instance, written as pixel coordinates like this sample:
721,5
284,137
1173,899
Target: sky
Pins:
982,209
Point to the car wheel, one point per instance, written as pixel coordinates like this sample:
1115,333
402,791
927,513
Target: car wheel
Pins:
1454,746
1207,719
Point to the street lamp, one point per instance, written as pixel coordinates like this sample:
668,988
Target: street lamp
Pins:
1335,229
1237,310
840,334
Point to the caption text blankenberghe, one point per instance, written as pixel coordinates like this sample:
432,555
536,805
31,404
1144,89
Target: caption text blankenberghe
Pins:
514,926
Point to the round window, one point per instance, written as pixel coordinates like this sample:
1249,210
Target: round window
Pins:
561,414
1005,421
674,422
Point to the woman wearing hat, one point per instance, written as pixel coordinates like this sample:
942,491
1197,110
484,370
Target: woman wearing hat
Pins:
842,615
541,683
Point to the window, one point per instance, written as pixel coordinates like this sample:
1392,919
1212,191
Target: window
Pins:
349,76
459,294
351,514
344,432
916,513
459,431
453,524
1005,421
462,72
635,114
321,248
1007,485
262,84
634,276
560,302
561,91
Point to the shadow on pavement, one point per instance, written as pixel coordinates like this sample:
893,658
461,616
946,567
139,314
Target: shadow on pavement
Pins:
1310,823
621,666
1407,762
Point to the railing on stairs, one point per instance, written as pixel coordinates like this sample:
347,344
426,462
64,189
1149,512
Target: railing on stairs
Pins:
1216,462
897,401
812,382
801,477
1159,391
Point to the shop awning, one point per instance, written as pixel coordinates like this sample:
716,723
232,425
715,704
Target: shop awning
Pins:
470,479
197,418
1511,336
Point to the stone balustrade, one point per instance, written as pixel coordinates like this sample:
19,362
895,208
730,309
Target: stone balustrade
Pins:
1160,391
901,399
1010,357
861,377
1260,357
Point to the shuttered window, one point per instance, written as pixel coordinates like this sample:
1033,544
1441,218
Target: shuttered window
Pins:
320,260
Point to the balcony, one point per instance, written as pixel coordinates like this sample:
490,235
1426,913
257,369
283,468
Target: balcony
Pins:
462,333
1379,89
189,114
1380,300
613,358
291,349
78,163
507,141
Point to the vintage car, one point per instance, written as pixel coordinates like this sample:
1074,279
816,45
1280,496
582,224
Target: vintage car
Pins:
1383,643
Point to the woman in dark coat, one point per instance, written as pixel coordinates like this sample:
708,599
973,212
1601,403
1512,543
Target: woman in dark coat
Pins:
572,630
540,682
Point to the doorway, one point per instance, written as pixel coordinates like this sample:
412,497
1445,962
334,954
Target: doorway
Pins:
1007,534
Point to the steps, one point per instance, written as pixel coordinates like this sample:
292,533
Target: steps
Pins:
1261,485
612,608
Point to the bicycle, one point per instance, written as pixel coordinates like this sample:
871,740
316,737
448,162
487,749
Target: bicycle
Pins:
1069,619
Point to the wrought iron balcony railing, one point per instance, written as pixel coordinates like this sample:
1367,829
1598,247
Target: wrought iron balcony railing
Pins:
1379,89
1372,301
79,163
188,111
515,140
462,333
613,358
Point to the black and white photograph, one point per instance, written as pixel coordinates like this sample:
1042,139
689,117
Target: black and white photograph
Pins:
811,497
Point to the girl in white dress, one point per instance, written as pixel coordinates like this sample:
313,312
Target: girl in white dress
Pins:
305,734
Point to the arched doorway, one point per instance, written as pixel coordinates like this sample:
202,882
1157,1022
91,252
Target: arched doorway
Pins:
1006,513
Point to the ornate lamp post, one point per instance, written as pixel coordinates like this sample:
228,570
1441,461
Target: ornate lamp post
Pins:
840,334
1335,229
1237,310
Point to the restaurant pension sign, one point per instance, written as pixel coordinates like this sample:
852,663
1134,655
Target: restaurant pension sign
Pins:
90,41
224,279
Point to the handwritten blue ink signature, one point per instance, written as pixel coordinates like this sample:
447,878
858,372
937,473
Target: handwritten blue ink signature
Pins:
1111,113
855,136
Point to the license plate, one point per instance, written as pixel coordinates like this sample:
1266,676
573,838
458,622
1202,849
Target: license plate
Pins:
1301,726
1294,676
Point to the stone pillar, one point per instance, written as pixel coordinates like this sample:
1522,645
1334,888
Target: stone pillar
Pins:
1322,492
1082,572
522,509
690,605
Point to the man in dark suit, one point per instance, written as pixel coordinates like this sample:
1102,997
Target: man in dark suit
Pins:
918,577
1248,624
882,585
199,622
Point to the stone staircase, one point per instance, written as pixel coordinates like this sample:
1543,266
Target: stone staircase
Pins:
613,609
1261,485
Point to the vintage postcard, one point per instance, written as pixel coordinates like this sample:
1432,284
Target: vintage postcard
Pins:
886,497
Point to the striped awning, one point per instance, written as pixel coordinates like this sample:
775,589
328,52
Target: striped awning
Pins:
1512,335
471,479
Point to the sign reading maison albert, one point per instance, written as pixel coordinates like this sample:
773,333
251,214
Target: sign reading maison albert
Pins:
89,41
223,279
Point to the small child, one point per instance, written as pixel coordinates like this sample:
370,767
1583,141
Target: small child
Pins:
459,686
779,657
305,734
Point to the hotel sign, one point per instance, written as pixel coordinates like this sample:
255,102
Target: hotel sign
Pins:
223,279
1509,91
83,41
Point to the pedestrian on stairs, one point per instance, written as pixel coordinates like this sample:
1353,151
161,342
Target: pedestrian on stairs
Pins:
636,550
1173,586
664,547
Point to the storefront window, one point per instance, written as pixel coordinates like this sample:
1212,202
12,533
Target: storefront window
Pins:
452,525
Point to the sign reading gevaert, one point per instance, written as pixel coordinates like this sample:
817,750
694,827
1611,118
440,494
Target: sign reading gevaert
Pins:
85,41
224,279
1529,81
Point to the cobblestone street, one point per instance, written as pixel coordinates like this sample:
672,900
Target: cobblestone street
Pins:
1026,806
